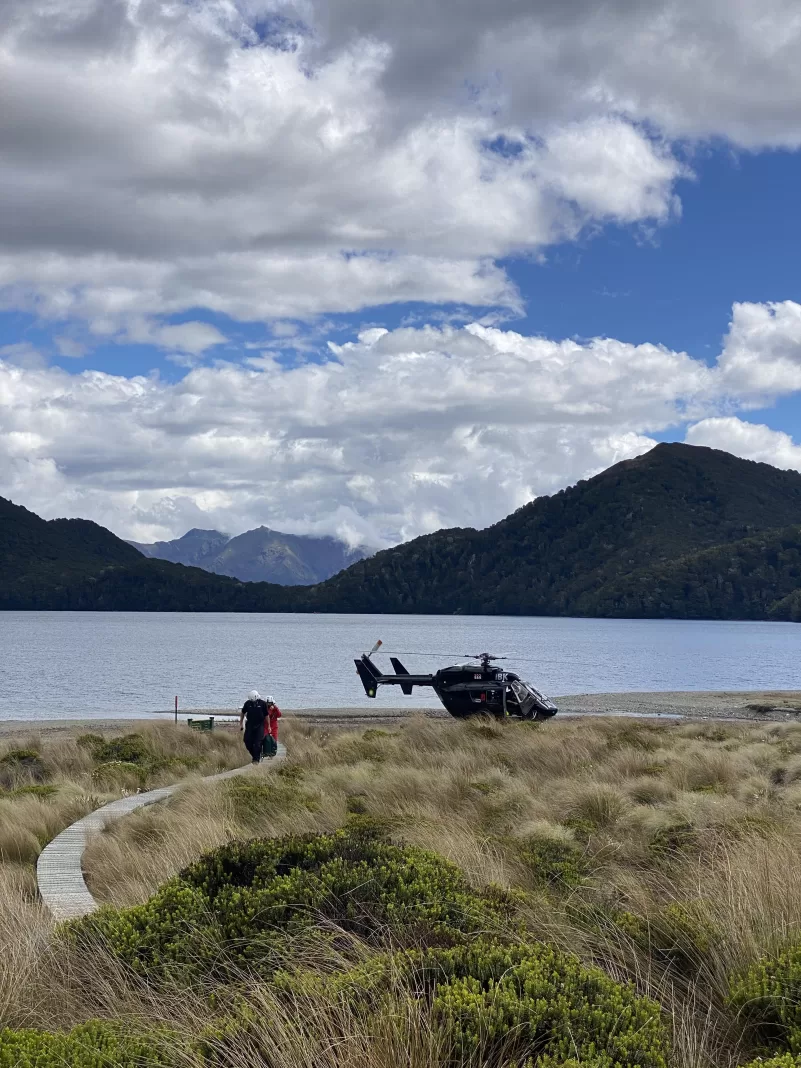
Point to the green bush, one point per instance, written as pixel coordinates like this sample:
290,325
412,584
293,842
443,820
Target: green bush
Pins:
784,1060
254,801
131,756
550,861
21,767
521,1002
20,758
769,996
680,934
34,790
116,772
511,1005
128,749
356,804
92,1045
237,902
673,841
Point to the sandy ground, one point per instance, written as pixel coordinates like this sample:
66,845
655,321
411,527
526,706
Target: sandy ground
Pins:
756,705
724,704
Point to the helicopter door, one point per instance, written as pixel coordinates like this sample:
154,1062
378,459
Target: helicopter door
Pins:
523,697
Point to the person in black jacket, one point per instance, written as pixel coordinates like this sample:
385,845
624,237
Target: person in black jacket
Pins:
251,720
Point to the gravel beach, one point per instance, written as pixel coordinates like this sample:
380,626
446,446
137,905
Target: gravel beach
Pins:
754,705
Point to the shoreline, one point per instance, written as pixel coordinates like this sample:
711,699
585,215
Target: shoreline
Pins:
747,705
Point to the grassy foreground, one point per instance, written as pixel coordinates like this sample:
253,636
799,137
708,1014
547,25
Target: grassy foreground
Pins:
602,893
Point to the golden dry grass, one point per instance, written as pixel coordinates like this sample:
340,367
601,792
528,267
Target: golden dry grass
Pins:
669,855
49,780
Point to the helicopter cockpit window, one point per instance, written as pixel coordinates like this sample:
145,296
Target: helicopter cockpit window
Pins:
520,690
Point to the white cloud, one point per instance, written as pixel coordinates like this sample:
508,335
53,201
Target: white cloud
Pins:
22,354
402,432
156,158
694,68
762,350
751,441
194,338
69,347
159,158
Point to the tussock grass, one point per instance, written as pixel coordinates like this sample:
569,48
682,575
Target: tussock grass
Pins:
669,856
48,780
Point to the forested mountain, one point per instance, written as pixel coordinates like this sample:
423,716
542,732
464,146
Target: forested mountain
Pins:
260,555
568,554
681,532
756,578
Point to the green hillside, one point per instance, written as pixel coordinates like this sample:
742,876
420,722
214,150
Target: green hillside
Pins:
568,554
756,578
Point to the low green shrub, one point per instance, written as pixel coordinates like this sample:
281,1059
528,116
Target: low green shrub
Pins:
672,841
20,758
130,758
127,749
768,995
92,1045
19,767
113,772
89,741
549,861
680,934
535,1004
520,1005
33,790
356,804
254,801
783,1060
238,901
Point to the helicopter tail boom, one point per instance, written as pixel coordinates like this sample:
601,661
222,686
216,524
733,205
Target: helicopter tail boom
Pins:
372,678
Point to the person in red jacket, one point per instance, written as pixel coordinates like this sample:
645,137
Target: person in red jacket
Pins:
271,727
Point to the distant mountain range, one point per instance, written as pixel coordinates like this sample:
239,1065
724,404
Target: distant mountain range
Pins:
260,555
682,532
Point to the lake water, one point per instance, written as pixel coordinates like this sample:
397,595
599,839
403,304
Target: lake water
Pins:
77,664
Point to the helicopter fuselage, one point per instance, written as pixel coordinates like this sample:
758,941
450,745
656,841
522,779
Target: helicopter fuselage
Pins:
466,690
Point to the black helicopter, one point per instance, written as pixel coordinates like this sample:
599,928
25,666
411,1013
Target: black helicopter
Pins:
464,689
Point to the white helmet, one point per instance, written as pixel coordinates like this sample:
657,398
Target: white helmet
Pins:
253,695
270,700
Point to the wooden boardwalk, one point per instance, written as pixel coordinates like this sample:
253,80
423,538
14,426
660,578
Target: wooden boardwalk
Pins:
59,870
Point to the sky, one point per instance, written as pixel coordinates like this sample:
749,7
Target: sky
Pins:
371,269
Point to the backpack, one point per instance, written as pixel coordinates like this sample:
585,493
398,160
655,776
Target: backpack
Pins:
255,713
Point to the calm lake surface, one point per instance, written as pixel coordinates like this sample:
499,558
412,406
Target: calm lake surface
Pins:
96,663
76,664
